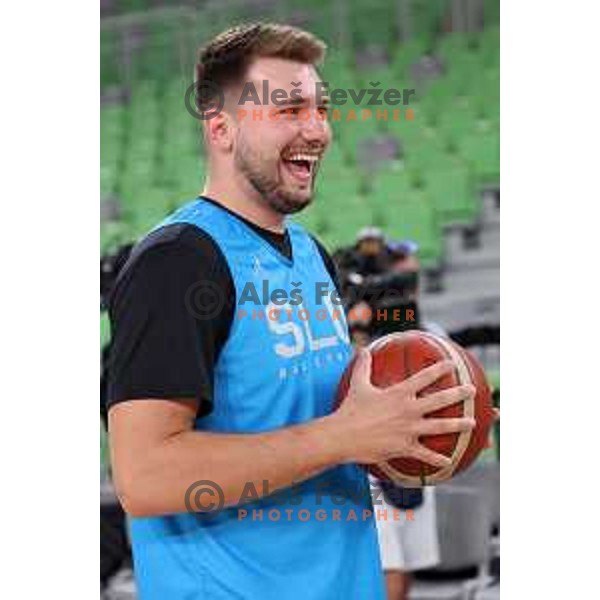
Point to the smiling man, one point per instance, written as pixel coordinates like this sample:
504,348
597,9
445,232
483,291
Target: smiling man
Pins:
203,405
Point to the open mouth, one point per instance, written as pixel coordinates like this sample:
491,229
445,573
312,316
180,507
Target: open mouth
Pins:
301,166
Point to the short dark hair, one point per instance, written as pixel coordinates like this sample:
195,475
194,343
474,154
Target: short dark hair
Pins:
226,58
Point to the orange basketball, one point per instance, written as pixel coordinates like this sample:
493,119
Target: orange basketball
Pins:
396,357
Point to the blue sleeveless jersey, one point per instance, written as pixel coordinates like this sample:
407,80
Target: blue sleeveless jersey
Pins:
316,540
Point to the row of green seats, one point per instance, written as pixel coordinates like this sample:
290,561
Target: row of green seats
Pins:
446,177
153,139
163,47
396,203
439,99
340,208
424,155
155,144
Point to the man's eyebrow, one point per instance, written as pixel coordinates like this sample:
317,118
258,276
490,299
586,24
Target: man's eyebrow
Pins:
324,101
292,101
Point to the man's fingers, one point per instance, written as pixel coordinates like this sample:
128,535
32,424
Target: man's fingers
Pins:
425,377
430,457
439,426
361,373
443,398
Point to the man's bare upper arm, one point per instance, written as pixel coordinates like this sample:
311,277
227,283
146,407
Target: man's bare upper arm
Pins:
138,427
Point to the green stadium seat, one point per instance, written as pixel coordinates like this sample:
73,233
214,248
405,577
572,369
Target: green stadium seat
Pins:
142,148
334,158
425,153
334,187
406,54
110,58
384,74
113,235
338,67
150,205
481,150
344,82
490,83
356,213
486,108
310,218
491,13
159,54
427,18
336,219
407,213
452,192
316,16
435,100
456,121
108,179
451,45
373,23
464,74
490,46
408,132
129,6
111,148
352,134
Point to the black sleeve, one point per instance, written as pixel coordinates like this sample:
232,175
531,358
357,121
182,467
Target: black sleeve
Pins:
329,264
171,311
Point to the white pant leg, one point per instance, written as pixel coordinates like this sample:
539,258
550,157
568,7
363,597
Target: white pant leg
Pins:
407,539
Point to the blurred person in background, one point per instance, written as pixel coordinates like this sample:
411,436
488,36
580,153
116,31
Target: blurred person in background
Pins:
115,551
403,256
371,286
371,253
407,544
405,259
359,333
368,256
111,265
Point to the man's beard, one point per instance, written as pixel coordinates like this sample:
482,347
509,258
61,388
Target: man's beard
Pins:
270,185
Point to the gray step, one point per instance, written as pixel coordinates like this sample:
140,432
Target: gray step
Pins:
485,257
455,311
491,593
489,245
490,212
484,280
438,591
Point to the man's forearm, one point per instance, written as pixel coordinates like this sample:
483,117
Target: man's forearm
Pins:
159,482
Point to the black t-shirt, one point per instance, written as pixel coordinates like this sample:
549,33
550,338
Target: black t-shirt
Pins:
159,349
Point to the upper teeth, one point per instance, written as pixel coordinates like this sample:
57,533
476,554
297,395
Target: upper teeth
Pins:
308,157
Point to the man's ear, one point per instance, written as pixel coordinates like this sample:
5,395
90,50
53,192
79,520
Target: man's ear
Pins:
220,131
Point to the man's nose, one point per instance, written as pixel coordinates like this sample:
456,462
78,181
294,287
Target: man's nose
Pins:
316,128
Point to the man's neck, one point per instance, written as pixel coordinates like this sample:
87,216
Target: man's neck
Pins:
245,202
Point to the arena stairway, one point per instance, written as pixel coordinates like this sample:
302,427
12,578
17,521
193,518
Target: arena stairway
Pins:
469,293
463,523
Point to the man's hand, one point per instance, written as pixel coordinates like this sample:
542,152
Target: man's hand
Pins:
382,423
